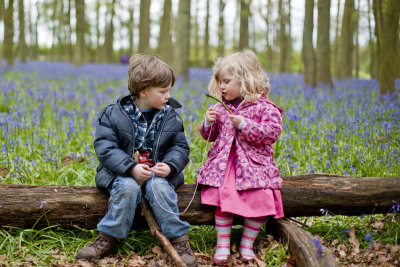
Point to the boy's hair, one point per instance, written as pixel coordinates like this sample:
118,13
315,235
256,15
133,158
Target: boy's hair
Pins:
244,66
148,71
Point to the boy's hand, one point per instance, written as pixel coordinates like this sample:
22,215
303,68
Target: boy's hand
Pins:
235,119
141,172
211,115
161,169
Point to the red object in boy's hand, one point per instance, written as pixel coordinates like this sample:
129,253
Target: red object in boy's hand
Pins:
144,160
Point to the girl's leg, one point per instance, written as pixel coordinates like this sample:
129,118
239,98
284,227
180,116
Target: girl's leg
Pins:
250,231
223,224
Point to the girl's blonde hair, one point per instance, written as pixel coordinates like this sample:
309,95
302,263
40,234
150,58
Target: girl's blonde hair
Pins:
244,66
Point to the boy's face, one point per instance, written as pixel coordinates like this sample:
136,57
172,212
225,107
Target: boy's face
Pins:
229,86
154,97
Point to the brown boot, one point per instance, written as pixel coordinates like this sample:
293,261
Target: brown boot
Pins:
182,246
102,246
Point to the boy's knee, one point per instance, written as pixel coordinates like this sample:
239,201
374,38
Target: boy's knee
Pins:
159,187
128,186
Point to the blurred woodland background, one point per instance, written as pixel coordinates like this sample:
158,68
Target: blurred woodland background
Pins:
187,33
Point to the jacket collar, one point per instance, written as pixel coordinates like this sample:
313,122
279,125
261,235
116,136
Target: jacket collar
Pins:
261,98
172,102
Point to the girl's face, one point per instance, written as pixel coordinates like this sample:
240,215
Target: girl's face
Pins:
229,86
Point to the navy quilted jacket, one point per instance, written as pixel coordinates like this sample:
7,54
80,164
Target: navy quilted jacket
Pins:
115,137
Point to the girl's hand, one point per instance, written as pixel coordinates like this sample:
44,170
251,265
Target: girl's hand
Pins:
161,169
235,119
141,172
211,115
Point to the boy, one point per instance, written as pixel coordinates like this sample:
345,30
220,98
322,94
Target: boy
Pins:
145,123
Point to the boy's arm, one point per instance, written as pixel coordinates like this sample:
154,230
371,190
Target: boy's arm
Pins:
106,145
177,153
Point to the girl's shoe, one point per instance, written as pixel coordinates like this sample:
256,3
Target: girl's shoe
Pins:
247,258
220,261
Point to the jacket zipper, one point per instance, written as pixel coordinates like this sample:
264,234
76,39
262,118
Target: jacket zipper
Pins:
159,136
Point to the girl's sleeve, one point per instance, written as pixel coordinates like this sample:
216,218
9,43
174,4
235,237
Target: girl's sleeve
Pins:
107,149
209,131
267,131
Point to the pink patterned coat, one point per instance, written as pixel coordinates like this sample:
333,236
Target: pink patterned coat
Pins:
255,167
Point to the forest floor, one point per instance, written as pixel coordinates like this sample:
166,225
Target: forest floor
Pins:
376,254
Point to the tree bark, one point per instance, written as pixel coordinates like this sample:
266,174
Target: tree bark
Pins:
206,36
196,39
109,35
301,245
323,45
221,28
80,32
308,47
21,26
282,37
2,10
387,31
303,195
165,42
346,41
144,27
131,27
182,45
357,44
244,24
8,34
373,70
335,52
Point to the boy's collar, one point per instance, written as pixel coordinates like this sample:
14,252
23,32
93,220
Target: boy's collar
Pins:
172,102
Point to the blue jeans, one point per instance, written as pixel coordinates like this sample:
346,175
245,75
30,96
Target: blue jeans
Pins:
125,195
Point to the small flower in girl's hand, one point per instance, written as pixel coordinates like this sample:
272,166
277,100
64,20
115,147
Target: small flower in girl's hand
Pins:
235,119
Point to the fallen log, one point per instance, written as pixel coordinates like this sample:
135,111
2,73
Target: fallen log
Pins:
302,245
304,195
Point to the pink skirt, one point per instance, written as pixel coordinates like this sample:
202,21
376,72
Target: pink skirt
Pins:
250,203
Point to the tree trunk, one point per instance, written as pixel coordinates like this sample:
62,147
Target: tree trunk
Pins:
196,38
346,41
109,36
131,29
244,24
373,69
8,53
80,32
288,64
323,45
268,65
336,42
144,27
387,31
303,195
182,45
2,10
308,47
54,16
356,45
206,36
221,28
21,26
165,41
282,37
68,33
99,50
35,52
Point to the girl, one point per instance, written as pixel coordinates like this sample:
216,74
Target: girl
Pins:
240,176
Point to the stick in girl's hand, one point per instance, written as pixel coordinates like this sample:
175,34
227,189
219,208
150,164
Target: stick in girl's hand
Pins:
208,95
